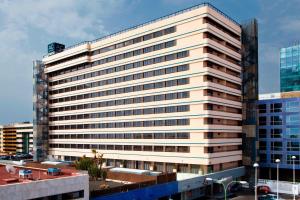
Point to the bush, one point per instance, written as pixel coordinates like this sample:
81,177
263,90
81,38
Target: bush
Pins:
92,165
94,171
84,163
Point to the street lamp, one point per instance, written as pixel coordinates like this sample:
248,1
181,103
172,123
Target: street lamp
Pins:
277,162
225,187
255,165
294,182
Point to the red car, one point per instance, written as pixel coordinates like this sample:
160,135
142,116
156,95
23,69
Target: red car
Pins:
263,189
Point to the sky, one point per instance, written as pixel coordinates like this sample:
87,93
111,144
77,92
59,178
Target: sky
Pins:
28,26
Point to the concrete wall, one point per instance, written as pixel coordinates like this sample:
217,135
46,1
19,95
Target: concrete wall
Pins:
43,188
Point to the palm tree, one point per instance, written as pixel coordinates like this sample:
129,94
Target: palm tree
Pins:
94,151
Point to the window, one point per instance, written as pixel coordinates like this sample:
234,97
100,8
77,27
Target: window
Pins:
170,149
137,148
293,132
276,120
183,135
183,149
293,146
276,133
262,157
293,119
137,136
148,37
293,106
276,107
262,133
276,146
262,145
147,148
159,136
170,44
262,108
170,135
127,147
158,148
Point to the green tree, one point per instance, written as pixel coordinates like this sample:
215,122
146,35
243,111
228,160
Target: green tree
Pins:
94,172
83,163
92,165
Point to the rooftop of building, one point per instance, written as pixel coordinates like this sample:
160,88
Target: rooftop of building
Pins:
150,22
279,95
290,46
38,171
17,124
125,179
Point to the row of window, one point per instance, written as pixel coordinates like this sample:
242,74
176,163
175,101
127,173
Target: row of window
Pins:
169,135
138,64
112,47
278,146
274,120
291,106
121,79
146,111
180,149
278,120
277,133
274,107
145,99
149,86
289,160
151,123
114,69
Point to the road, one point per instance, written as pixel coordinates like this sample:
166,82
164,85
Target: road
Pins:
243,196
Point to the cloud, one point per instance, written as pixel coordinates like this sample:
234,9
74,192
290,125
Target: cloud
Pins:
290,25
58,18
26,27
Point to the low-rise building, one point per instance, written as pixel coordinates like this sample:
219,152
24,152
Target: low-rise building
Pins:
16,138
279,133
36,183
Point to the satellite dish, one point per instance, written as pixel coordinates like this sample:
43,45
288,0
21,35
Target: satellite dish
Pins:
10,169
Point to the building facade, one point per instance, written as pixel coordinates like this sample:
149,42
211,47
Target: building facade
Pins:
16,138
279,131
70,184
290,68
165,95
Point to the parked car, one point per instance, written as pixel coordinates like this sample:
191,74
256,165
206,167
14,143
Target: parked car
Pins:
23,157
263,189
4,157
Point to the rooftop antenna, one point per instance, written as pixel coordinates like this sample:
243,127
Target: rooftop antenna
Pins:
10,169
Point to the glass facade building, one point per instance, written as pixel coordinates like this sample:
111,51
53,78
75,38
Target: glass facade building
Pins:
279,132
290,68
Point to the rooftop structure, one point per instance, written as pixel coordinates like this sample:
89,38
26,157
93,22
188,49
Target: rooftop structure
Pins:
33,181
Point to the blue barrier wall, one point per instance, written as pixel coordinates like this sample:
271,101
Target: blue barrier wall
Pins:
148,193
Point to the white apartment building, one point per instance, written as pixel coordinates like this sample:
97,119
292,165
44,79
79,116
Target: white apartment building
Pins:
164,95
